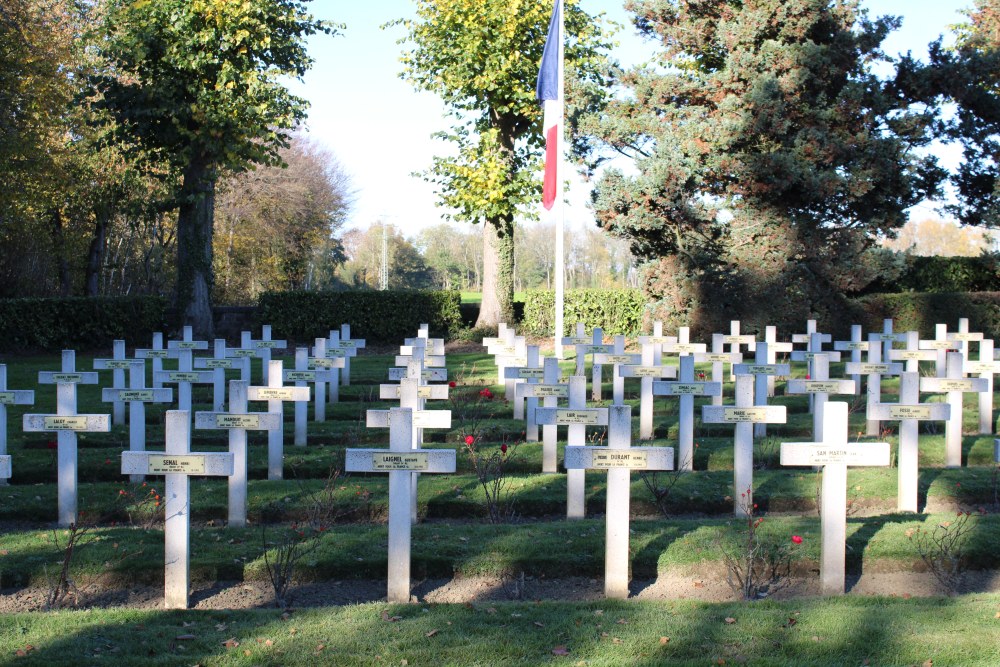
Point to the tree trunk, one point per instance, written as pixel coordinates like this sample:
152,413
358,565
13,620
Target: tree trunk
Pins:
95,255
498,273
59,246
195,221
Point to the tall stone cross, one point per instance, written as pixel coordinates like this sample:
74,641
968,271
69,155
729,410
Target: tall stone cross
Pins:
157,353
834,453
855,346
530,373
10,397
550,391
955,385
814,345
118,364
351,347
136,396
909,411
912,354
619,458
874,368
760,371
686,388
648,371
421,419
177,463
940,344
237,422
735,340
219,363
303,376
580,339
963,337
401,462
67,423
985,367
265,345
717,357
819,386
618,358
185,375
596,349
332,366
774,346
742,415
577,417
276,394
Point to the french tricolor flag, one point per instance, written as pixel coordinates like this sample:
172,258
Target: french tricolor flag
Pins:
548,91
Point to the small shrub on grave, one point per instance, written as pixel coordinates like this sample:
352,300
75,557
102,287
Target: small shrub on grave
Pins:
757,565
491,466
944,548
767,452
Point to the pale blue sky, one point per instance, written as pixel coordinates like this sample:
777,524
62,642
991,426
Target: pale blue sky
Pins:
380,128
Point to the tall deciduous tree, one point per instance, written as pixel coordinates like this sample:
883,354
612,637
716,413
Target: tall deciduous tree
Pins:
768,153
481,57
200,83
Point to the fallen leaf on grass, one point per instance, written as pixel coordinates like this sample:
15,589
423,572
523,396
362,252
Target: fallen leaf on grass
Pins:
21,652
390,619
730,620
431,633
616,640
231,643
664,641
539,624
928,663
560,650
622,621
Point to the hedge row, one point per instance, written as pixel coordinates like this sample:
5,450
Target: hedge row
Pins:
375,316
943,274
921,311
79,322
616,311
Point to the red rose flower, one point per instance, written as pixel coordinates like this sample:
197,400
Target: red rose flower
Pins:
452,384
797,539
469,440
503,448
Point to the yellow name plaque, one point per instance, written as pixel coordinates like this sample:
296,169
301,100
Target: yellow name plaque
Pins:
619,458
399,461
189,464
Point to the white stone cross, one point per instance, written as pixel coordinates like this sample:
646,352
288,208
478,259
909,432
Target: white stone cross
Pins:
773,347
855,346
576,418
834,453
874,368
157,353
177,464
550,391
401,462
245,353
238,421
580,339
350,345
819,386
275,393
302,376
596,348
619,458
912,354
955,385
434,346
985,367
331,366
185,375
137,396
219,364
963,337
743,414
647,371
815,346
760,372
530,373
940,344
735,340
686,388
117,364
618,358
887,338
265,345
10,397
909,411
717,357
66,422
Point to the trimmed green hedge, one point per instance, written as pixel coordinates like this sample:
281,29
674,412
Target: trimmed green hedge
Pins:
914,311
79,322
376,316
943,274
616,311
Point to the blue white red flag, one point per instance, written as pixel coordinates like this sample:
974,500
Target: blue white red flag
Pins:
547,91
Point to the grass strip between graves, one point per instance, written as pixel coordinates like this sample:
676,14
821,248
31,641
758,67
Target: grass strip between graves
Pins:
126,555
815,632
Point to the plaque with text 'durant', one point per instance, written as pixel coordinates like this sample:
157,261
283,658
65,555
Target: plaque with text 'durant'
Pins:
631,458
818,454
619,458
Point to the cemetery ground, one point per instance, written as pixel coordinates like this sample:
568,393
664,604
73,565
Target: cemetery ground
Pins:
526,591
